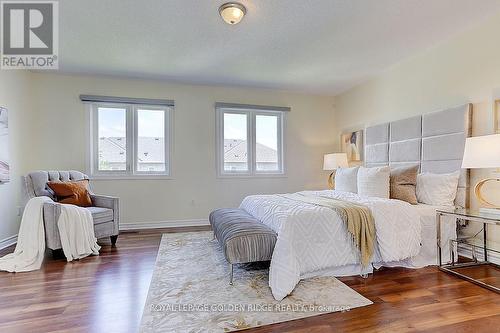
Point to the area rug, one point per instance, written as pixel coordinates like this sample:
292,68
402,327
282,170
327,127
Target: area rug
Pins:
190,291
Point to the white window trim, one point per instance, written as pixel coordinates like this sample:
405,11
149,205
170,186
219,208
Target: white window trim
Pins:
131,132
251,135
167,113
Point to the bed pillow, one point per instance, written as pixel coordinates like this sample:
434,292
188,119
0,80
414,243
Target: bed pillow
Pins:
404,184
437,189
346,179
72,193
374,182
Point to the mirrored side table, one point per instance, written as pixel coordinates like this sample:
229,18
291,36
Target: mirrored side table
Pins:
479,247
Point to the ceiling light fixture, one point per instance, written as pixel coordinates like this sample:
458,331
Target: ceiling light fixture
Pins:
232,12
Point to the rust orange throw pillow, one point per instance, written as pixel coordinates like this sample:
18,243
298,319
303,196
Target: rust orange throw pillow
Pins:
73,193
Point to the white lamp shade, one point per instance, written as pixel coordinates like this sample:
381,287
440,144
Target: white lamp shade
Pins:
335,161
482,152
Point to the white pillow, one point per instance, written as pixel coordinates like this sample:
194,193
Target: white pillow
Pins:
374,182
437,189
346,179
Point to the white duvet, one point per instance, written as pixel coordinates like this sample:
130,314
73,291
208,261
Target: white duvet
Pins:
313,238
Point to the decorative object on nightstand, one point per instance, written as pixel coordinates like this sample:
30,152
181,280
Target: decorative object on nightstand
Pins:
483,152
331,162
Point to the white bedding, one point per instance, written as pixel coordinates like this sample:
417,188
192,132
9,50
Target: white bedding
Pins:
313,240
428,252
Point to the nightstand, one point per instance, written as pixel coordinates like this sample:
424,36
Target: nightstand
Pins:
479,248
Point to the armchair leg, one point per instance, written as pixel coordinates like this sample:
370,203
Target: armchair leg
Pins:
113,240
58,254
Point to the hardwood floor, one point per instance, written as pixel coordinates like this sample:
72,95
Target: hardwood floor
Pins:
107,294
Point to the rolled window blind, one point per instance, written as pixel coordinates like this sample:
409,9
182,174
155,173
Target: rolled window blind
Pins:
125,100
236,106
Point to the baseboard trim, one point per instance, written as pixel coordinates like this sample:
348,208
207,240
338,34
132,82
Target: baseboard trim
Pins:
4,243
164,224
493,257
8,242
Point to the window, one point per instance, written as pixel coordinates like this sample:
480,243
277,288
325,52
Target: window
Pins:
129,140
151,148
236,142
249,140
112,142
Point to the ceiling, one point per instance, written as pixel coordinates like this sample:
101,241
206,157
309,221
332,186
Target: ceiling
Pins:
313,46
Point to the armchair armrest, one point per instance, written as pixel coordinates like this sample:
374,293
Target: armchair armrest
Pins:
51,212
104,201
113,203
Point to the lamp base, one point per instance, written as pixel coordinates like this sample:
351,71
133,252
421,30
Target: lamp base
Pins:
331,180
477,191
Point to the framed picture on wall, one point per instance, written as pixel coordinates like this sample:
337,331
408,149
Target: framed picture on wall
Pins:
4,146
352,144
497,116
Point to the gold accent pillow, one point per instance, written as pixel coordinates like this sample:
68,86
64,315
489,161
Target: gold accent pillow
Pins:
404,184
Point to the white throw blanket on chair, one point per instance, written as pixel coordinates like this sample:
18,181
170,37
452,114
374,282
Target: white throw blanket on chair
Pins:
76,229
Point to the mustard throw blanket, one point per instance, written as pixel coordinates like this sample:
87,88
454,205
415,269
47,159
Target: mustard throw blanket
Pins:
358,219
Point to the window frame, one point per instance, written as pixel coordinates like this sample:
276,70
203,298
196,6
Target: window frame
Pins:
131,132
166,133
251,114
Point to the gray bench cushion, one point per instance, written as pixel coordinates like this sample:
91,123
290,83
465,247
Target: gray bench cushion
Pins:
243,238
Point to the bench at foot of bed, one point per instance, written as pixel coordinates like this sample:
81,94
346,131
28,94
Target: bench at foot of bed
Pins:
243,238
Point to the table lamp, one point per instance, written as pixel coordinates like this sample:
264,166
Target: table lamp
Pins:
483,152
331,162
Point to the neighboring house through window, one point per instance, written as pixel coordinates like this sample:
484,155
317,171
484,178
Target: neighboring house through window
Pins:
129,137
249,139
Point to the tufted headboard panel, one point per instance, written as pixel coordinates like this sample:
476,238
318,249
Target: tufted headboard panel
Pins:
433,141
443,142
377,145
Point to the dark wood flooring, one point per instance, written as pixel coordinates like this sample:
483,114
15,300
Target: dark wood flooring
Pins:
107,294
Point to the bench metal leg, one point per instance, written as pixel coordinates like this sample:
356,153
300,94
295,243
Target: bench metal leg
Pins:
231,274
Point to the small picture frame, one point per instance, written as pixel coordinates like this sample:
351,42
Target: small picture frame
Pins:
352,144
4,146
497,116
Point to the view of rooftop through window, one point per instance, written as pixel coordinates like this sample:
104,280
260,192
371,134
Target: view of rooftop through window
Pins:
151,140
266,134
112,139
235,142
113,142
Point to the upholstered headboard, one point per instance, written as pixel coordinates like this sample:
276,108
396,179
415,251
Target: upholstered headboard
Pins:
434,141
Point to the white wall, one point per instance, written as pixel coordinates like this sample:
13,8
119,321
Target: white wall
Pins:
464,69
59,142
14,92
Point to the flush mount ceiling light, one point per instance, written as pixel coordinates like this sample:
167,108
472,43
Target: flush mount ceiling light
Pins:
232,12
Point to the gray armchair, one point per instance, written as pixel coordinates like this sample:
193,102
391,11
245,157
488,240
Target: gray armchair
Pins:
105,210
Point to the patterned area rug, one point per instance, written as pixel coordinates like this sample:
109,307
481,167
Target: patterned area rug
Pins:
190,291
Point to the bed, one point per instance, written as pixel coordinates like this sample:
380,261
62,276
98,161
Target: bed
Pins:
313,241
